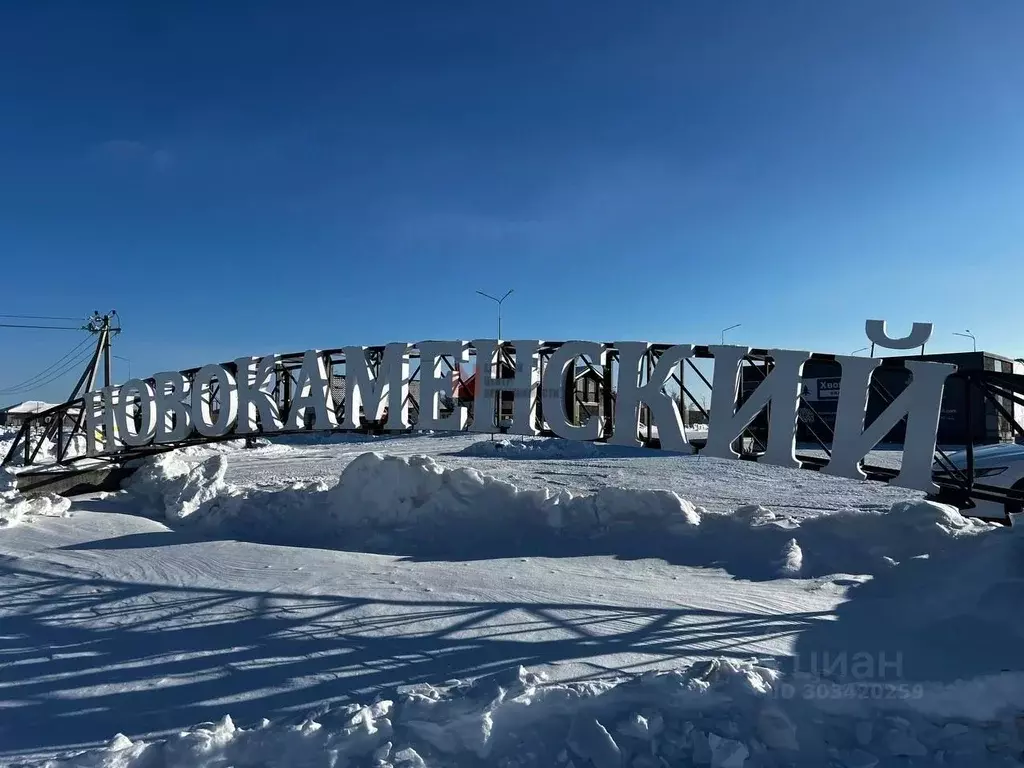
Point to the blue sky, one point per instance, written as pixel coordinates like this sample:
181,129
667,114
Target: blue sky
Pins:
300,175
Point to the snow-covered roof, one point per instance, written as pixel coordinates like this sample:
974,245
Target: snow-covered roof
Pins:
28,406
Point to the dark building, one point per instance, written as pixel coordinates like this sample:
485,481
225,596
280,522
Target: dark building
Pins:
583,390
966,415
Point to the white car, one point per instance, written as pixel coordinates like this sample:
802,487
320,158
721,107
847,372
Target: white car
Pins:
1001,464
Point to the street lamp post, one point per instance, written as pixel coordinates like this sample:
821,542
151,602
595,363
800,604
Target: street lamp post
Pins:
499,303
968,335
729,329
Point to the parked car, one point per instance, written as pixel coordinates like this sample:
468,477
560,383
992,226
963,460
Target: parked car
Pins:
1002,465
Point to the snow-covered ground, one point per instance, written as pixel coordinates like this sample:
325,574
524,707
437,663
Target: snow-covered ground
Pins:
457,601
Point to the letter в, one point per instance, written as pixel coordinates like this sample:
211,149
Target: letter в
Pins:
206,422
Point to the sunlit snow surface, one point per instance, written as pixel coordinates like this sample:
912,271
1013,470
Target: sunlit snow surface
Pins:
355,615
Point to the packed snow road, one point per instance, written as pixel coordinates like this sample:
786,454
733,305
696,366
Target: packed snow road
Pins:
252,583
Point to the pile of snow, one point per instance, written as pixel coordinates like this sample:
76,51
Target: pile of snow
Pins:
7,436
383,501
47,450
532,448
852,541
173,487
15,508
411,505
720,713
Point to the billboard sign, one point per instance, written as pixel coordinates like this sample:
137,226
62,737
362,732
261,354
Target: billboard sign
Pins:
828,388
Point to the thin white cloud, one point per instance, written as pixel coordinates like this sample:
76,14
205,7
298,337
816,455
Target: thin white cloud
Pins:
473,226
138,152
587,201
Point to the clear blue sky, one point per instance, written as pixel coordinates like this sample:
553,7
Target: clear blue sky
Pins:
295,175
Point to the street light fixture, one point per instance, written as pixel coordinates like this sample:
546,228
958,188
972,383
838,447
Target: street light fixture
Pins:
499,303
729,329
968,335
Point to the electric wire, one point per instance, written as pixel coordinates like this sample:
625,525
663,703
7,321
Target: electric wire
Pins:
43,327
56,375
62,371
82,356
32,379
40,317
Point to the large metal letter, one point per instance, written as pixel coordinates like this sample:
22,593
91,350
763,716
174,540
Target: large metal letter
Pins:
878,334
390,386
256,394
523,385
434,383
202,400
559,365
313,391
630,396
173,416
112,441
147,410
781,388
95,406
920,402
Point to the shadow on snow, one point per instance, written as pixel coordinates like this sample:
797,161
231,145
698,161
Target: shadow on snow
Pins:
84,658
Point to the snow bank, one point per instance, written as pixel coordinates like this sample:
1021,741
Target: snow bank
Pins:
525,448
387,501
7,436
720,713
413,506
15,508
853,541
171,487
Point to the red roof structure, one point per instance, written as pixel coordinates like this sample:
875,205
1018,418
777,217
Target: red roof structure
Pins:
463,389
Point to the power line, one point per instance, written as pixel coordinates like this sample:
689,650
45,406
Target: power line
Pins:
43,327
31,380
39,317
82,356
96,324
